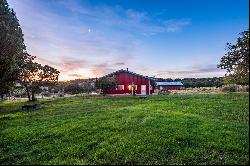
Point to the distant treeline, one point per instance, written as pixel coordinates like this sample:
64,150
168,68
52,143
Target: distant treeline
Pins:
76,86
197,82
187,82
89,85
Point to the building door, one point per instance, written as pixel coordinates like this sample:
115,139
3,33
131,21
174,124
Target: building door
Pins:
143,89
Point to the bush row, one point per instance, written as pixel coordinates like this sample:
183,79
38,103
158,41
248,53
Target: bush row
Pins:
235,88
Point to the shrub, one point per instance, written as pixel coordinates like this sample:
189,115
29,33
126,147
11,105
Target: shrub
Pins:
165,92
46,94
243,88
73,89
229,88
203,89
183,88
60,94
106,84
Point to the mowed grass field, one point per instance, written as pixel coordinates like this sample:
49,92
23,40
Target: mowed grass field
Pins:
176,129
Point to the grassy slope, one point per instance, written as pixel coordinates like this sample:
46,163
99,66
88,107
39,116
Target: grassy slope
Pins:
187,129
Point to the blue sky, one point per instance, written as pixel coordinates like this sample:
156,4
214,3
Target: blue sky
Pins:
162,38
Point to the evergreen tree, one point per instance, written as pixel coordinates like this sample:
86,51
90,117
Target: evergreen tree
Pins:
12,48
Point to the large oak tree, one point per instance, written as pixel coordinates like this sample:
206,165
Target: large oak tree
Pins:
236,61
35,75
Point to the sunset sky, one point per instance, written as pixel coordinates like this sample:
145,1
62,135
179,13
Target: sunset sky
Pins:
162,38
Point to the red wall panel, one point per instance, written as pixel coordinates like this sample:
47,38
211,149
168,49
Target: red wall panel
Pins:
126,79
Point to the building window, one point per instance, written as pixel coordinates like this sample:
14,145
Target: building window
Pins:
130,87
143,87
120,87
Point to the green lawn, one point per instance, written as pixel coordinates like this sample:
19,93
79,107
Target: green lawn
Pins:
178,129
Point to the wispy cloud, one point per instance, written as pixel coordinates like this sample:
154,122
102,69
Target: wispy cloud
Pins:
139,22
65,64
72,66
105,68
90,41
69,44
175,25
194,71
76,75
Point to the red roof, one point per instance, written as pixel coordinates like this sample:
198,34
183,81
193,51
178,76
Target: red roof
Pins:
126,71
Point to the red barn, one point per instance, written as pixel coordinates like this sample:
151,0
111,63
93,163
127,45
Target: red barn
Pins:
125,79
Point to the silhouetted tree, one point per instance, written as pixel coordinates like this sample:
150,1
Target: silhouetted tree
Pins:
34,75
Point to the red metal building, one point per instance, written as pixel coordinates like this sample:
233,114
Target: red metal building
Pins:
125,79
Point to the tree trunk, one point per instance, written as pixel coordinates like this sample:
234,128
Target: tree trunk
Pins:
28,93
33,96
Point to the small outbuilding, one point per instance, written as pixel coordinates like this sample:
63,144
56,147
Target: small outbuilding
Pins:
174,85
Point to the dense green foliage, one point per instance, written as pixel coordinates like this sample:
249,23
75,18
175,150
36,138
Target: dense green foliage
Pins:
12,48
35,75
197,82
174,129
79,86
106,84
236,61
16,65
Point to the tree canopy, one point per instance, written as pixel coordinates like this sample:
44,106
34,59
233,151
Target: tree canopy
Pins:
35,75
16,65
106,84
236,60
12,47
